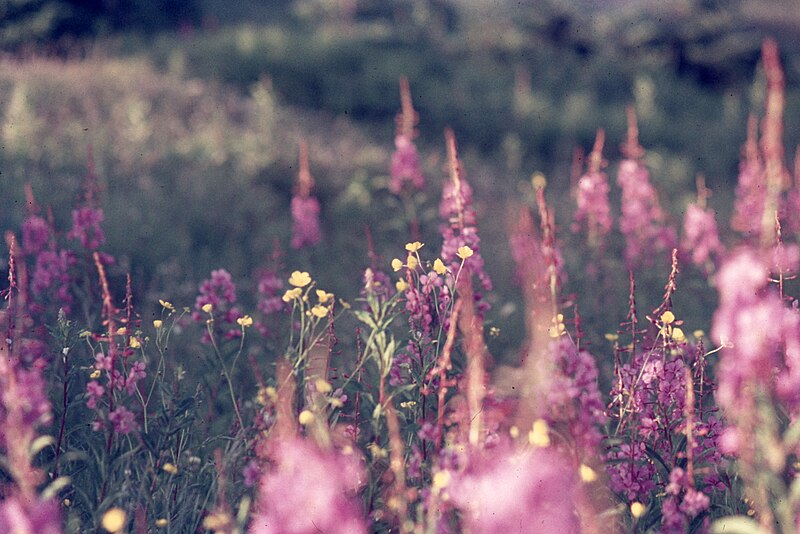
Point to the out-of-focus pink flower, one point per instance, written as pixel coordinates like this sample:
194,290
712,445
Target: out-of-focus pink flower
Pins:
19,516
405,160
51,278
86,227
305,207
308,490
761,339
700,236
460,227
305,222
594,212
123,420
219,292
35,235
642,222
751,189
405,165
502,489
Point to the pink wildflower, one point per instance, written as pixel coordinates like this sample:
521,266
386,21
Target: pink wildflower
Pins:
21,516
593,210
460,226
751,188
405,160
123,420
219,291
305,208
35,235
86,227
309,490
503,488
643,223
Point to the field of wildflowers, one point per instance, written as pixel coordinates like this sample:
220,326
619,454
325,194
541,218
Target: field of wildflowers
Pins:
385,394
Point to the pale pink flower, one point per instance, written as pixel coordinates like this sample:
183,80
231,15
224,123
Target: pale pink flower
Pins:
308,490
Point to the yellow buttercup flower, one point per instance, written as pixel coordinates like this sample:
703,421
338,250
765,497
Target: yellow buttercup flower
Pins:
464,252
157,324
114,519
161,522
323,386
245,321
440,479
135,343
170,468
291,294
587,473
667,317
397,264
415,246
539,436
95,374
638,509
411,262
319,311
401,285
299,279
678,335
207,308
306,418
324,296
438,266
166,304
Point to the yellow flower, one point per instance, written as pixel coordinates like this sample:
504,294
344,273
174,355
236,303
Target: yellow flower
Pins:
401,285
95,374
415,246
245,321
667,317
207,308
306,417
161,522
172,469
464,252
587,473
135,343
411,262
612,337
438,266
397,264
158,323
678,335
323,386
539,436
292,294
538,180
513,431
299,279
638,509
121,331
218,522
324,296
167,305
698,334
319,311
440,480
114,519
266,395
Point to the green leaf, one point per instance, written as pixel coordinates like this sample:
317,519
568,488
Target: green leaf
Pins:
737,524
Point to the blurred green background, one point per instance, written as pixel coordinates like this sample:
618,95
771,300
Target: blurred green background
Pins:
194,110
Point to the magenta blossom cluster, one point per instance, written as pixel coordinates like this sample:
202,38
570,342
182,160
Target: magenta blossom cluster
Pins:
594,212
682,504
51,279
642,221
459,226
36,235
701,243
305,222
219,292
269,291
102,398
501,488
86,227
760,337
575,405
308,490
405,165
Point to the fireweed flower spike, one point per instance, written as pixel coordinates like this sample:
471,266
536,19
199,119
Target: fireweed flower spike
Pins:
594,212
700,235
405,160
643,223
459,228
305,207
